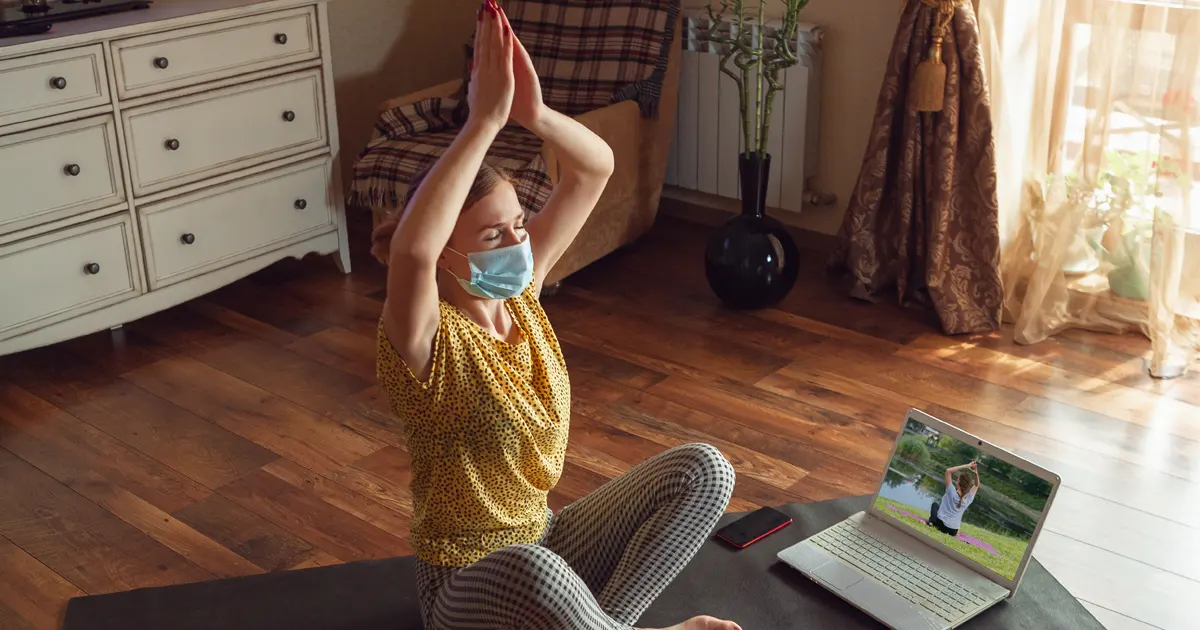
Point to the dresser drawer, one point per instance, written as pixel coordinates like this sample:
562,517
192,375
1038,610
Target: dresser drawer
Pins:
52,83
53,173
223,131
63,274
162,61
191,235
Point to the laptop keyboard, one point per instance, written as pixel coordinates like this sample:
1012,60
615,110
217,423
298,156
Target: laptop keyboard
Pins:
910,578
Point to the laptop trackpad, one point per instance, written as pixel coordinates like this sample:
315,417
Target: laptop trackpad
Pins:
838,575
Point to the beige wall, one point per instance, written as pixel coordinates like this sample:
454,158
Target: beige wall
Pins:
388,48
858,38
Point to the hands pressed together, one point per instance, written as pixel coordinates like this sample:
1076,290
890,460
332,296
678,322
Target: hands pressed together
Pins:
504,85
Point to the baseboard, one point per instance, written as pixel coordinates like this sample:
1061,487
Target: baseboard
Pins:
711,210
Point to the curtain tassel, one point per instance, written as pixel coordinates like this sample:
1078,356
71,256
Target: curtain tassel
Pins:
928,87
927,92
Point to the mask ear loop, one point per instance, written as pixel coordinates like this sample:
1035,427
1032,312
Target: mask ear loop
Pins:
447,269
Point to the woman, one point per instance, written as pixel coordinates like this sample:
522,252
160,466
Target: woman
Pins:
472,366
946,515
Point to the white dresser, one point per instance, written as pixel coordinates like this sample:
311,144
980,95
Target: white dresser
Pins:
149,157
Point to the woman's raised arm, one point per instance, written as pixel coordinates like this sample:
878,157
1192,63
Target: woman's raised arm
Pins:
411,309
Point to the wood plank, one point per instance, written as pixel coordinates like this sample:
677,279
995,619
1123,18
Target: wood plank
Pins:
319,558
841,395
796,423
1160,543
280,312
383,476
301,435
774,448
668,434
1046,381
307,516
161,526
115,351
192,445
576,482
240,321
245,533
900,375
30,590
1114,620
79,540
260,363
369,413
1121,583
329,301
340,349
10,620
1154,448
706,352
65,448
583,361
342,498
702,315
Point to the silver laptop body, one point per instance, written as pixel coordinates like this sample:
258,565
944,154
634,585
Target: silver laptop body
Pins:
895,563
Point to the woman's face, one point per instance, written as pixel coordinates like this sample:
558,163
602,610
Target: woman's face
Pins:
496,220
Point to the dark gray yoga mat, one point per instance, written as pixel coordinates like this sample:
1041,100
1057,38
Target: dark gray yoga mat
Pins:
749,586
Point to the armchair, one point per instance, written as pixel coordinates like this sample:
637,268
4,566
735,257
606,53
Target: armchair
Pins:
639,128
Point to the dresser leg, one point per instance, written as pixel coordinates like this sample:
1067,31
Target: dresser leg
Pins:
343,260
343,244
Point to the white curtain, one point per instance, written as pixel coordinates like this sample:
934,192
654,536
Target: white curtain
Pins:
1097,119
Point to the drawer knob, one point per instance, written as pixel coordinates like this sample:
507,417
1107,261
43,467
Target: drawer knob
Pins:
161,63
58,83
281,38
300,204
289,115
71,169
172,144
91,269
188,239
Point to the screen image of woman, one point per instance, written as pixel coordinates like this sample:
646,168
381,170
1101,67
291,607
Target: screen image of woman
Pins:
948,490
947,514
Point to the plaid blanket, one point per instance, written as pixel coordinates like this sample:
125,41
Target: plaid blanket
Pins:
588,54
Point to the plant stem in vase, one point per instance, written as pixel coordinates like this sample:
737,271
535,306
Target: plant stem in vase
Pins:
752,261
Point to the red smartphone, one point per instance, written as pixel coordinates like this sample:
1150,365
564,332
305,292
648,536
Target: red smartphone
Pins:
754,527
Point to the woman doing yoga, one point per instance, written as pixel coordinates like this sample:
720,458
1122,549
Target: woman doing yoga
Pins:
946,515
474,370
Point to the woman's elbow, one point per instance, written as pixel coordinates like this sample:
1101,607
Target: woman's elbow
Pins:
606,161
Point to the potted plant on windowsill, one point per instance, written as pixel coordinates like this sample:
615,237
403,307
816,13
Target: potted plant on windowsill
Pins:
752,261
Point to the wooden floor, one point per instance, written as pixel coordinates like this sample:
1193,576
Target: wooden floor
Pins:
243,432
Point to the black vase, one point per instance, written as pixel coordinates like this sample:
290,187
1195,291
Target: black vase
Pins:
752,261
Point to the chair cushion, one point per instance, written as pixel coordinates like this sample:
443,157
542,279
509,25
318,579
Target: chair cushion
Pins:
410,137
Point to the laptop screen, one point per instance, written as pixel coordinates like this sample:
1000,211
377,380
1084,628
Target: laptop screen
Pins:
980,506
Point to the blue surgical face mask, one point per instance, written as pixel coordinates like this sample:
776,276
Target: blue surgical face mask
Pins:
498,274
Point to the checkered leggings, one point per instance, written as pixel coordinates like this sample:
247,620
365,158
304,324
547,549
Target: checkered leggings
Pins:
603,559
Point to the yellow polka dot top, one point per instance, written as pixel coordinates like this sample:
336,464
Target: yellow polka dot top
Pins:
487,432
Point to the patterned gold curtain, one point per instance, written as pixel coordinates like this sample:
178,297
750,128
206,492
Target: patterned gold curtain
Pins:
922,220
1096,122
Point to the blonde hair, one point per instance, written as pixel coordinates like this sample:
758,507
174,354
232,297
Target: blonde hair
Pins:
485,182
963,484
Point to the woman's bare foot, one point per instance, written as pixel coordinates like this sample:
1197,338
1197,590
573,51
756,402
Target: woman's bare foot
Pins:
705,622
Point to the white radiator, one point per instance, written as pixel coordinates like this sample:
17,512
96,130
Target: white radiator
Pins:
708,132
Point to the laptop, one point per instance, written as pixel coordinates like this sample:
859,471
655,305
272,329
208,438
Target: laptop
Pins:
927,555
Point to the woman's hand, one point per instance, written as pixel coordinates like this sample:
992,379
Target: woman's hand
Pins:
527,105
490,94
